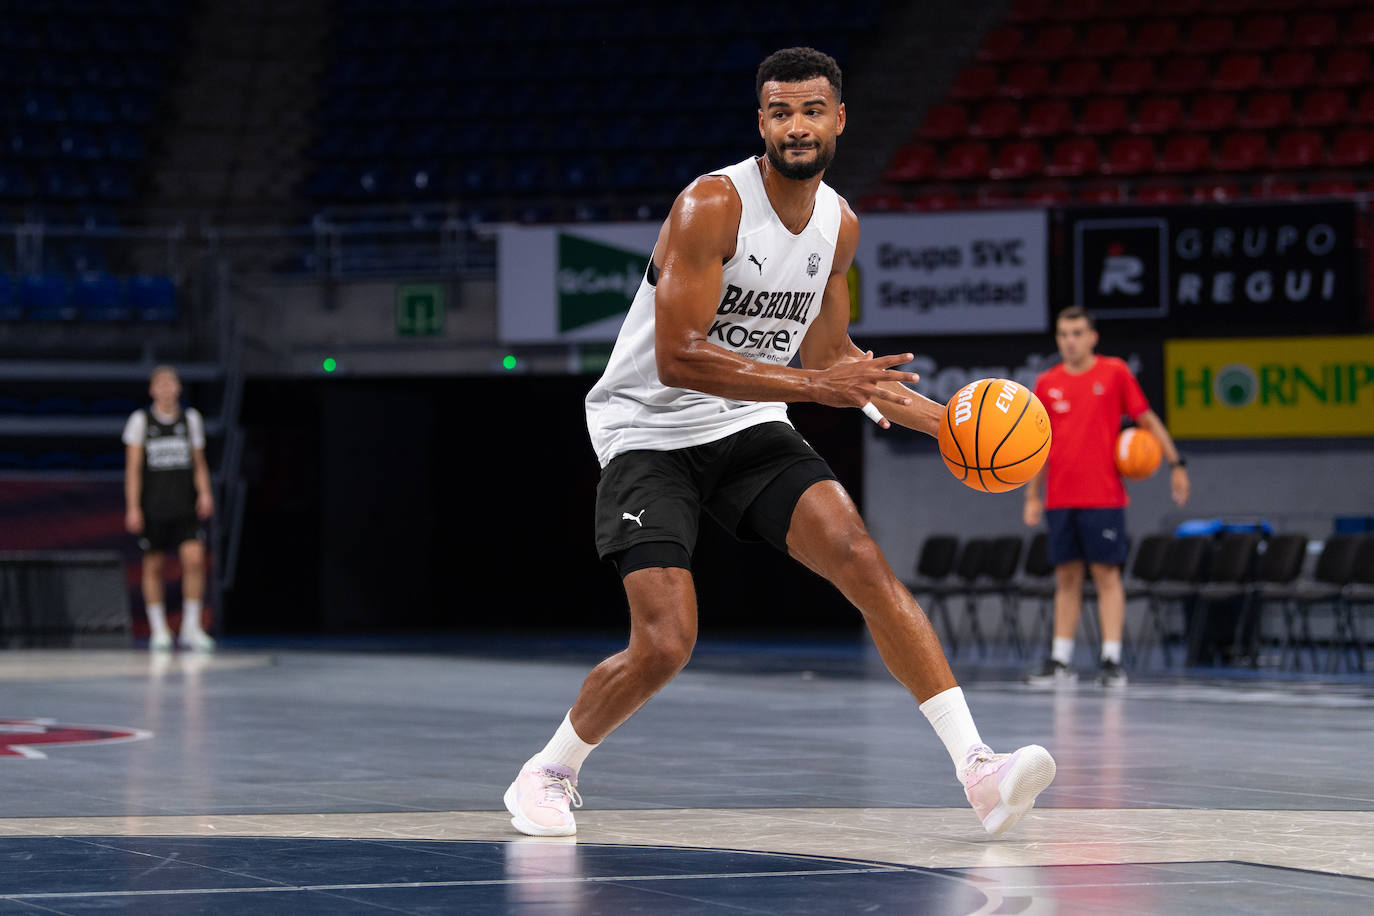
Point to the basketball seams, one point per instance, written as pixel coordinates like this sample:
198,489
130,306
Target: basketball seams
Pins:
992,459
949,424
989,477
977,429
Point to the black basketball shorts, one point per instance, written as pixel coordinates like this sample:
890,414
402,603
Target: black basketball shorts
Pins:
748,482
165,535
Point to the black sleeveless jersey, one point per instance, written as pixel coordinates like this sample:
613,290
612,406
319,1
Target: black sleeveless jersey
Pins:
169,487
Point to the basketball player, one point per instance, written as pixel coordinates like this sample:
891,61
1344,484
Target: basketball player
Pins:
748,272
166,497
1084,501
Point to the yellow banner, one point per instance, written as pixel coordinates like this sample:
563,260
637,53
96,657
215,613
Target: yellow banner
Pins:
1262,387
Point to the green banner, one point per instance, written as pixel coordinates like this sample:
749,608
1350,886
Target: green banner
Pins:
595,281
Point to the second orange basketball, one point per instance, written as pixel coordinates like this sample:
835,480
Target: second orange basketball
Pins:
994,435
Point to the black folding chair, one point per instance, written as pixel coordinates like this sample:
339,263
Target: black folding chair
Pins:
1185,563
969,566
1228,579
1037,583
1279,565
1335,569
934,565
999,573
1358,596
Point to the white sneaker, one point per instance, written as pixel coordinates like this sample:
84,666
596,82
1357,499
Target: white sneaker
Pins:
160,642
540,800
196,641
1003,787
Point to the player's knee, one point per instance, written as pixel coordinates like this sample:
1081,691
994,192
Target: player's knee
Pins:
665,650
1105,572
1069,575
857,556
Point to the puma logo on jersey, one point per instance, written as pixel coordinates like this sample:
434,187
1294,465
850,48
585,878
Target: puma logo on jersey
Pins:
757,263
625,516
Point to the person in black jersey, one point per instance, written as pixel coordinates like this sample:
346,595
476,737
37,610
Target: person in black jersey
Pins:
167,498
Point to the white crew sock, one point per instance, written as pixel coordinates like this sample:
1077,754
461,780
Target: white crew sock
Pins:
565,748
949,716
190,617
1111,651
1062,650
157,619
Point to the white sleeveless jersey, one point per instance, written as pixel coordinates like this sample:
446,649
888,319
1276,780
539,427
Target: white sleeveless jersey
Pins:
770,293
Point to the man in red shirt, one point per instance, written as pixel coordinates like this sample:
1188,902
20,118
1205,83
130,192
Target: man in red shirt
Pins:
1086,396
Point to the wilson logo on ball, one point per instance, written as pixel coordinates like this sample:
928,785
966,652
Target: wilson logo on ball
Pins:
994,435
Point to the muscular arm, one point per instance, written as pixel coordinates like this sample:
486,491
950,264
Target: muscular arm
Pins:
828,342
697,239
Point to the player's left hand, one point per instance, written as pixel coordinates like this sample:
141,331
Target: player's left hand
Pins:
205,505
1179,485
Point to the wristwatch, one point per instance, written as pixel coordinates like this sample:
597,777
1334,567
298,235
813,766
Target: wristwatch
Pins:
1181,462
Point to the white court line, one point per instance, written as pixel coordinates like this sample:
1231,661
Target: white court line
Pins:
549,879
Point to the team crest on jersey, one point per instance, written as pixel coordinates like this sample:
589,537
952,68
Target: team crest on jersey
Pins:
20,737
813,264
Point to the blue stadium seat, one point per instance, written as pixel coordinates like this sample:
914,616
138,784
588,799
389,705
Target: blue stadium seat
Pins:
113,406
58,461
11,405
105,461
153,298
112,182
99,297
15,182
59,406
44,298
10,310
15,461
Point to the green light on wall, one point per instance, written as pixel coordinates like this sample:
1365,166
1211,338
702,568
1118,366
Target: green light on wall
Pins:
509,361
329,364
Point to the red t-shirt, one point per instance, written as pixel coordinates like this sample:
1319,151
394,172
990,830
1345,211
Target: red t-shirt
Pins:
1085,417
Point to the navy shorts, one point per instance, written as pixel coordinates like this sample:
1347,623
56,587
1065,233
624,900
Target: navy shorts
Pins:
166,535
1094,535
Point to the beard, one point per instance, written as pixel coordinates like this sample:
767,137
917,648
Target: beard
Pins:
801,171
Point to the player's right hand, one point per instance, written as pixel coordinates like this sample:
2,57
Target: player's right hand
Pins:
1034,508
133,521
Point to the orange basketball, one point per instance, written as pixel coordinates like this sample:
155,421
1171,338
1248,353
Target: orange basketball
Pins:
994,435
1137,453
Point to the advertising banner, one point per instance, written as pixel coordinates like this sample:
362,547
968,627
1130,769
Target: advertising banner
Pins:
1271,386
952,273
957,273
559,284
1263,266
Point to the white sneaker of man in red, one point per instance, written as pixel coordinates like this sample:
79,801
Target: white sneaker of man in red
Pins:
1002,787
540,800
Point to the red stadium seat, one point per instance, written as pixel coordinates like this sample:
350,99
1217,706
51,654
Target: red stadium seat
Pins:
1001,44
1353,148
965,160
1019,159
1130,76
914,162
1047,118
1267,109
1075,10
1238,72
1322,108
1182,74
1242,152
1103,39
1104,193
996,196
1209,36
1126,9
1291,70
1275,186
1214,191
882,202
1184,153
975,82
1159,192
1346,67
1211,112
1332,187
996,119
1313,30
1364,108
1103,116
1052,42
1299,149
1075,156
1360,30
1156,38
1130,156
1047,193
1261,33
944,122
1028,10
1077,78
936,198
1025,80
1158,115
1177,7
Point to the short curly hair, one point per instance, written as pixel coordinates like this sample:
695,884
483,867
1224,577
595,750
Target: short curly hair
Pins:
795,65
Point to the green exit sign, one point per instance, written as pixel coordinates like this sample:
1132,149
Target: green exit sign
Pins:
420,309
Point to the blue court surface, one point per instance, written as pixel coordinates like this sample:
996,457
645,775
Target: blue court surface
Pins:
768,778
